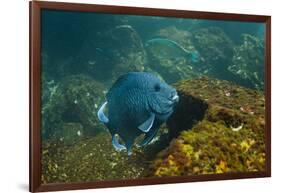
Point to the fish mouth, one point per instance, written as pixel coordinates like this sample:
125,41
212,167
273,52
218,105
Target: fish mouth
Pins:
175,98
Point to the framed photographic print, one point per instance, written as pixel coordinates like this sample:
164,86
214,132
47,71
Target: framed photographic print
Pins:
123,96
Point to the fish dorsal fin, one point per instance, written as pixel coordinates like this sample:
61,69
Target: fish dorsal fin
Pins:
146,126
116,144
102,117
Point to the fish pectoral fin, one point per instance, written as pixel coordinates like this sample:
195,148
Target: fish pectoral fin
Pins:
102,117
116,144
146,126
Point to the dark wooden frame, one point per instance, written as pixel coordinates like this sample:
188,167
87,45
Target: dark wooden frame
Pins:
35,94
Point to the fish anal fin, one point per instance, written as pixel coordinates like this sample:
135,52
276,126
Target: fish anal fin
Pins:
146,126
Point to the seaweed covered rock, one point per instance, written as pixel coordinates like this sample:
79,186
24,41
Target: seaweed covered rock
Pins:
216,50
114,52
48,86
89,160
171,54
225,134
71,109
248,62
131,53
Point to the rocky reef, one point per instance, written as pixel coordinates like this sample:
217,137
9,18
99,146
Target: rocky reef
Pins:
68,112
218,56
113,52
248,62
217,127
216,50
89,160
241,61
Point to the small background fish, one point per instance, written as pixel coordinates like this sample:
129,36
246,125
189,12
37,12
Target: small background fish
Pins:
166,48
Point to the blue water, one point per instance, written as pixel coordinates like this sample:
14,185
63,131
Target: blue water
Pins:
98,44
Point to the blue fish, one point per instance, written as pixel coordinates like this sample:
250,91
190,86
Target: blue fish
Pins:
137,103
167,48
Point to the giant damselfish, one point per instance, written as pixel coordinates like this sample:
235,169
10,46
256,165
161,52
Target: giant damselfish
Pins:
138,102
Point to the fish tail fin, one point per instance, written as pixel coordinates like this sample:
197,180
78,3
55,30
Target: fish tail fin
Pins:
194,56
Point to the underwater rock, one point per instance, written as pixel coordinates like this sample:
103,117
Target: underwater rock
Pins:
174,59
248,62
49,86
173,70
224,134
70,132
71,108
216,51
217,127
94,158
90,160
114,52
131,53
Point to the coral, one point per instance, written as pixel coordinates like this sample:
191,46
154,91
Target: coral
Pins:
229,137
248,62
72,108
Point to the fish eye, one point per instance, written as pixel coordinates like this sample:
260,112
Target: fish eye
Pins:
157,87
